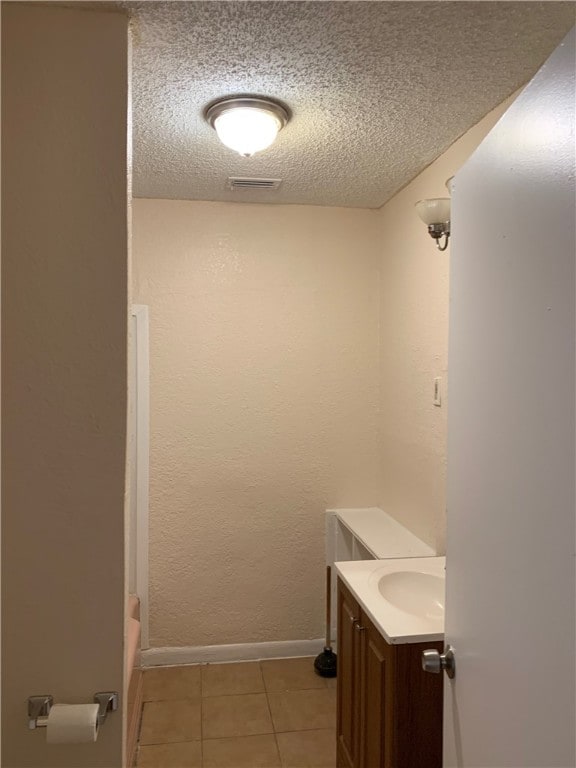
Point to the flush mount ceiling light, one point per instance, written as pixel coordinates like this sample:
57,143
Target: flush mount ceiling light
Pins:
436,214
247,124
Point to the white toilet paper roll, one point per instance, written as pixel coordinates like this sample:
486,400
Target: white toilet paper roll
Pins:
72,724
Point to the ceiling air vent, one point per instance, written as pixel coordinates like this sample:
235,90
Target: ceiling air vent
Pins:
270,185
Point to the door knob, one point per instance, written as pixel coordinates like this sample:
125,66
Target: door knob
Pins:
434,661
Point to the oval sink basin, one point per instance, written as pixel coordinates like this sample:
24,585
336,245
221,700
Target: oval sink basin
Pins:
420,594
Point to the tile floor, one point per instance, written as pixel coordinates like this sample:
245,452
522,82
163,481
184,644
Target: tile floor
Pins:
268,714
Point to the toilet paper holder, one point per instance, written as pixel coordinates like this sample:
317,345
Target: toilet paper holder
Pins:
39,708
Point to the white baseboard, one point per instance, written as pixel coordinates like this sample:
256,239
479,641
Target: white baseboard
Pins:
202,654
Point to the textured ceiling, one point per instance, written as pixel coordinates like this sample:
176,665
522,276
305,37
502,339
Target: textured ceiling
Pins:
377,89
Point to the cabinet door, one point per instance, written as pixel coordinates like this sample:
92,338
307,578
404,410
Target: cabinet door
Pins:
377,682
401,722
418,697
348,680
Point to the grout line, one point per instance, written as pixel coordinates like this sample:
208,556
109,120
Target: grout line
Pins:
272,722
271,718
180,698
277,748
295,690
241,736
307,730
227,695
201,715
262,680
164,743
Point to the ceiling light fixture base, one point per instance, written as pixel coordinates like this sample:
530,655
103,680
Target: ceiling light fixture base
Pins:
216,108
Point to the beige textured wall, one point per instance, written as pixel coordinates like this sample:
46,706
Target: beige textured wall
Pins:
414,348
64,321
293,353
264,323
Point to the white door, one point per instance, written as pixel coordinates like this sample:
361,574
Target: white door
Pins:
139,462
510,612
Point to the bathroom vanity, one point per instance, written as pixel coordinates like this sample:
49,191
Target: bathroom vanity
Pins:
389,709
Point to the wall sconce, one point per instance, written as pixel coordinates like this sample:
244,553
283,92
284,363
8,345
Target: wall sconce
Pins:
436,214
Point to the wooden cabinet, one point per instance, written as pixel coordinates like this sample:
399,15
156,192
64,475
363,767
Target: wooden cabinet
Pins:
389,709
348,680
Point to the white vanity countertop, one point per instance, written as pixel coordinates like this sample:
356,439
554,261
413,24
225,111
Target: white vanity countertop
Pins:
396,625
381,534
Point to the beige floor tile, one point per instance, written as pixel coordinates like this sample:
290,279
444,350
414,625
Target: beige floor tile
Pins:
165,683
169,721
307,749
291,675
242,752
303,710
231,679
184,755
331,682
227,716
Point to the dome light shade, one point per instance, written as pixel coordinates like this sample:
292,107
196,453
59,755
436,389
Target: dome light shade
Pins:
247,125
434,211
247,130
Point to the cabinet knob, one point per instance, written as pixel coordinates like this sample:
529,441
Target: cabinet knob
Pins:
434,661
358,627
